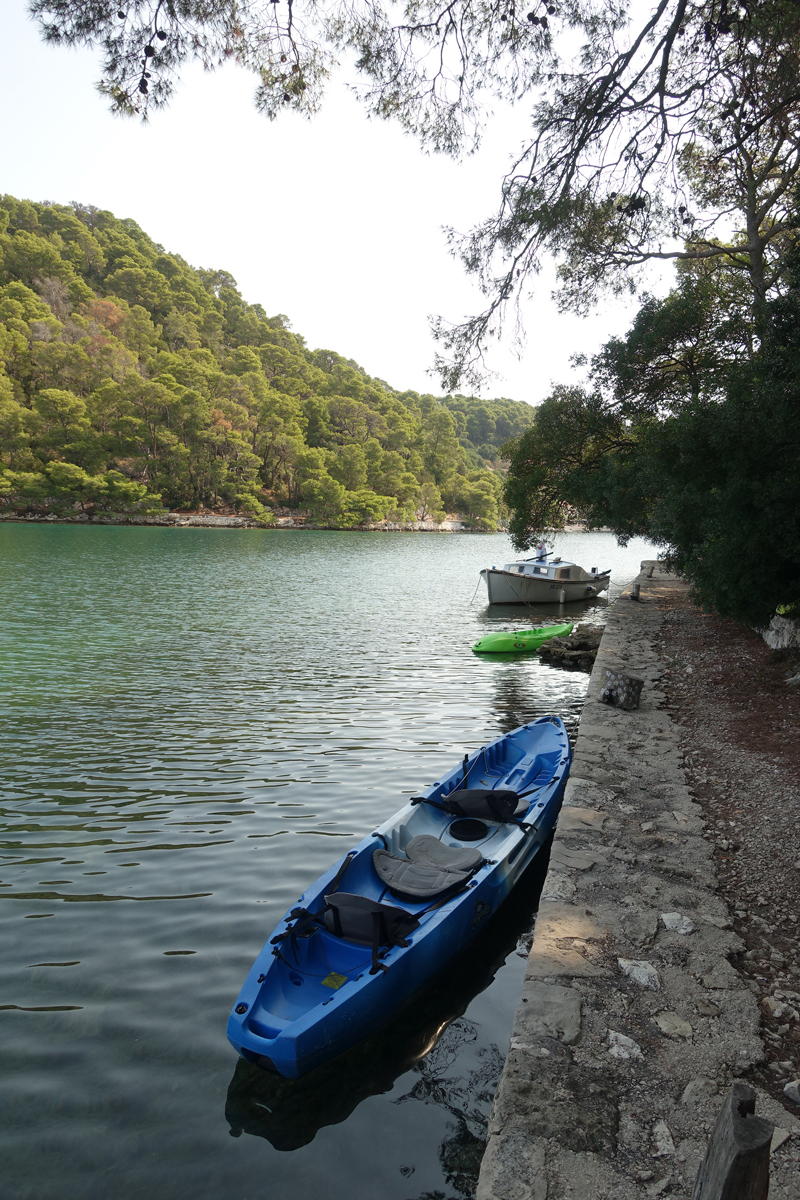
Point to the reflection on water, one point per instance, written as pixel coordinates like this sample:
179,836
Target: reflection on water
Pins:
519,616
512,697
466,1095
427,1036
195,725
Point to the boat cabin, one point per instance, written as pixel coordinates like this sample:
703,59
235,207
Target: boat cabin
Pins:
552,570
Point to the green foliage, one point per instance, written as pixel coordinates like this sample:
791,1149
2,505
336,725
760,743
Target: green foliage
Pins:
129,378
364,505
324,497
704,463
64,486
477,497
679,348
555,462
484,426
350,468
429,503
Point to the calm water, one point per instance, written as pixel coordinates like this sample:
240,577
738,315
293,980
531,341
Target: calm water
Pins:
194,724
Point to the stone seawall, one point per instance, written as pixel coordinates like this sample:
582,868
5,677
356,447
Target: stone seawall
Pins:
633,1023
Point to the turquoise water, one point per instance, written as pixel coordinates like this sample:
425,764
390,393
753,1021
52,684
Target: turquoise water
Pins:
195,723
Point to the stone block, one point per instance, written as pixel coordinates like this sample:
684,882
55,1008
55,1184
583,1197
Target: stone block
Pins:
558,887
575,860
578,820
699,1091
676,923
554,1097
563,931
640,927
621,1046
513,1168
721,976
547,1010
673,1025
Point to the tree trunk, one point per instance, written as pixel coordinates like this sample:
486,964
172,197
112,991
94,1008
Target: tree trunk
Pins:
756,251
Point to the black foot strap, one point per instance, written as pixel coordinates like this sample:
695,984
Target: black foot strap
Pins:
379,935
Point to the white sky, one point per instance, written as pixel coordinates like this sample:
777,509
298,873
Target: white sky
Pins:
335,222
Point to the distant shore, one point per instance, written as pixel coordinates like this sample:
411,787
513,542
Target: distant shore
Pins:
210,520
207,520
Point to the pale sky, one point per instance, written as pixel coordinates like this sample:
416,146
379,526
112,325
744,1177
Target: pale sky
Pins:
336,222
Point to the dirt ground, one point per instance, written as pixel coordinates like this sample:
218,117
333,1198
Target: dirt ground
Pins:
742,753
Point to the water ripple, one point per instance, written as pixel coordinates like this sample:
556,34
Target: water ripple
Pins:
200,721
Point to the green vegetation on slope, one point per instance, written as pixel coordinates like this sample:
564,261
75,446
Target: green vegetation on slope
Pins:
130,380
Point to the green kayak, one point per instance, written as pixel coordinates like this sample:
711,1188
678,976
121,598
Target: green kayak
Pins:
511,641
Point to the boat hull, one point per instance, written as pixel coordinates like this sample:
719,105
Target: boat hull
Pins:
505,587
520,641
317,996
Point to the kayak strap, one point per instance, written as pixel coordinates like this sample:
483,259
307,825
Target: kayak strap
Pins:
379,937
304,920
354,919
304,926
339,876
485,804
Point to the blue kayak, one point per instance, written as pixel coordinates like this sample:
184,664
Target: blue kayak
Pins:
383,920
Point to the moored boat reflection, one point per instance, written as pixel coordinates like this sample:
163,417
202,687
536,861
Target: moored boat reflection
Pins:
539,614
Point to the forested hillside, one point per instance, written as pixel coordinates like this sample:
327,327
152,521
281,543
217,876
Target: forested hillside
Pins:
130,380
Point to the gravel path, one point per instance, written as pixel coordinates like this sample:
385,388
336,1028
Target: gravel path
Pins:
742,754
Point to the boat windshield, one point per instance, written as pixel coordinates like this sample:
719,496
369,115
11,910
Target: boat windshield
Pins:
528,568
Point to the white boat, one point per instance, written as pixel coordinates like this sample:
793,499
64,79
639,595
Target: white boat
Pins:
539,581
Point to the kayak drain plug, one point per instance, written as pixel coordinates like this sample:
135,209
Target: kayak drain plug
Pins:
241,1008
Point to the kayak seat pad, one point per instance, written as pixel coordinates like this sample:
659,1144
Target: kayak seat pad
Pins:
427,870
497,805
359,919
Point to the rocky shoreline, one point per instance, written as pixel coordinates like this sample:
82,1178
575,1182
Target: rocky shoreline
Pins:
578,651
207,520
658,974
284,519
